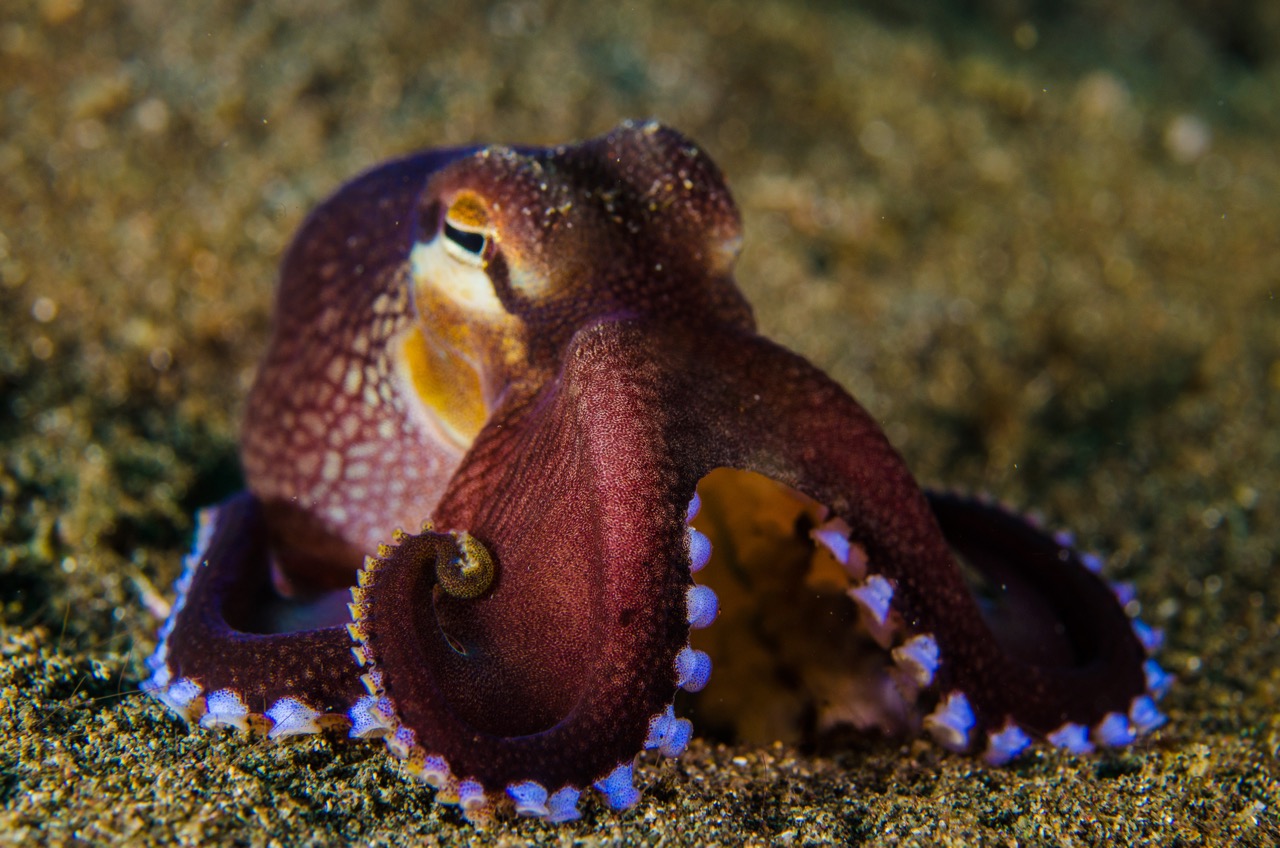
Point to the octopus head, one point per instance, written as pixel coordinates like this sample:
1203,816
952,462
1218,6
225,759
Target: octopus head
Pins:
516,251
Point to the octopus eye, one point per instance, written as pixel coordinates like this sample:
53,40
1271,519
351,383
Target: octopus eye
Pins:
466,230
469,247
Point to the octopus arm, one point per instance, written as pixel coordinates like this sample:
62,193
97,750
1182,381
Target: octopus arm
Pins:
222,660
559,674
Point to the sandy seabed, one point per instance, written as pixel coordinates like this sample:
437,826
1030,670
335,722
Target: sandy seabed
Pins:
1042,251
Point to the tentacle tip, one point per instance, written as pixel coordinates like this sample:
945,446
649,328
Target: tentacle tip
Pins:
951,722
693,669
468,571
619,788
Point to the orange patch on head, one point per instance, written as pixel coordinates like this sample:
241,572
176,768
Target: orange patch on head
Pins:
447,385
468,212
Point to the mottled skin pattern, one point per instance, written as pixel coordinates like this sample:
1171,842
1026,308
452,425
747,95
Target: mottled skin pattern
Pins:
329,446
546,349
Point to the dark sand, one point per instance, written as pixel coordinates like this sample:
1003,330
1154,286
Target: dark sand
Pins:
1043,250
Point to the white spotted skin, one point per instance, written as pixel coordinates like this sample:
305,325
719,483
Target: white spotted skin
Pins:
329,413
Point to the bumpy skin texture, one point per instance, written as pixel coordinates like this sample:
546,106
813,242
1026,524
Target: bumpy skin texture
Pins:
546,349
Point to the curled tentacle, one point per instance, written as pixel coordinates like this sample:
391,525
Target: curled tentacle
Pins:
466,570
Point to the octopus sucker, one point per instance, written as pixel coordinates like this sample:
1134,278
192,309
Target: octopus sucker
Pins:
635,515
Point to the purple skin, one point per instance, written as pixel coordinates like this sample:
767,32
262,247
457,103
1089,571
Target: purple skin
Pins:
546,349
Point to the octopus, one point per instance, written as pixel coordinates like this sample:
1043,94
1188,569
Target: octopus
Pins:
512,406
